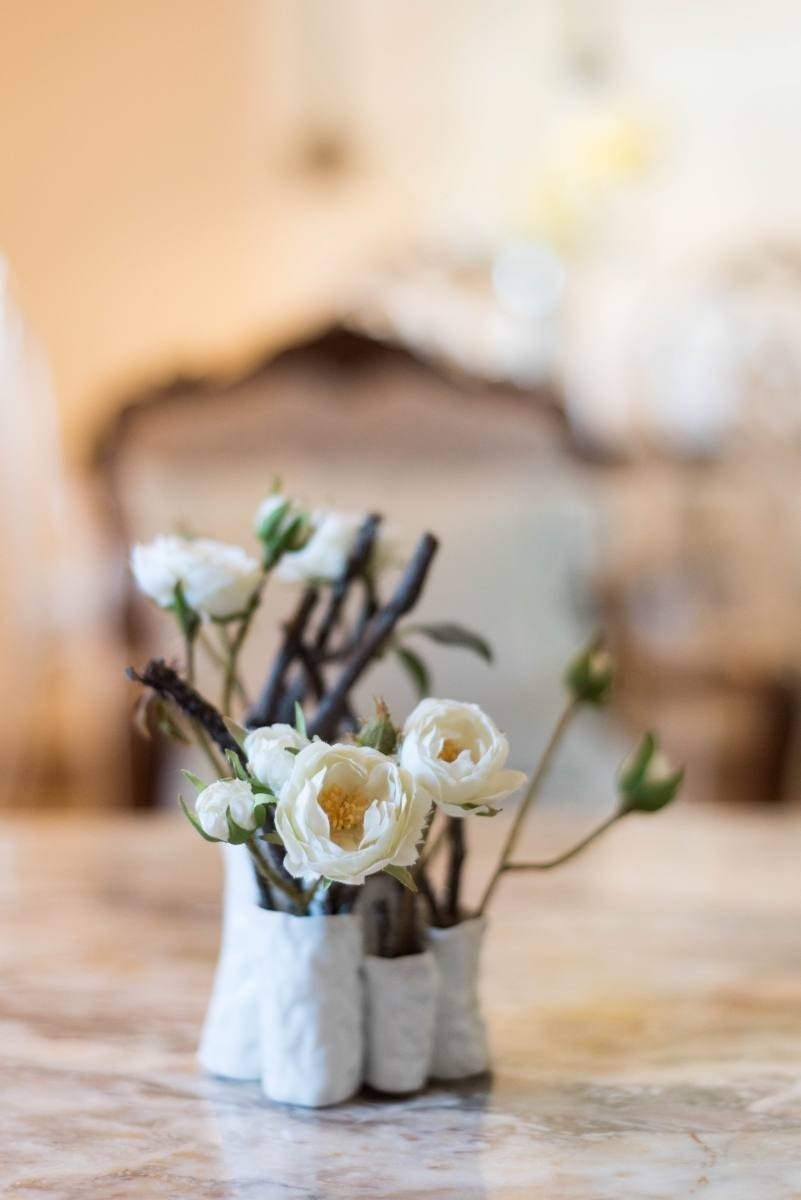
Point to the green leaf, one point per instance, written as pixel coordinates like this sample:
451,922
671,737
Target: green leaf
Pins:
403,875
237,732
300,720
192,819
416,669
235,763
195,780
448,633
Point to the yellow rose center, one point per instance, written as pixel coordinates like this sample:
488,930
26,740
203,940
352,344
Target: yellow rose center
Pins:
344,809
450,750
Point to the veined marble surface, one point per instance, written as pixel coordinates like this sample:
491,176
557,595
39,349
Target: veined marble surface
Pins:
644,1006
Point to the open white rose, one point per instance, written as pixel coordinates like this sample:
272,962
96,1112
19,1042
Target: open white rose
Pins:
346,812
267,752
217,579
218,799
458,754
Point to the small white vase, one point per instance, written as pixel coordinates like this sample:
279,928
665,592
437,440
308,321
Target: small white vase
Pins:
401,995
229,1042
460,1036
310,1007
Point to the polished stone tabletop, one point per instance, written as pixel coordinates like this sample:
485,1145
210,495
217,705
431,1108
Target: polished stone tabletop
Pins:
644,1007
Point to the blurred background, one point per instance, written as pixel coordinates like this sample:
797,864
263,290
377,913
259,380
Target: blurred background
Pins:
524,273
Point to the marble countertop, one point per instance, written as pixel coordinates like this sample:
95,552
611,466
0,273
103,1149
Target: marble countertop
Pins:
644,1007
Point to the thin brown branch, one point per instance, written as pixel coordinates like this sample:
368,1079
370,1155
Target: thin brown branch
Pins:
375,636
167,682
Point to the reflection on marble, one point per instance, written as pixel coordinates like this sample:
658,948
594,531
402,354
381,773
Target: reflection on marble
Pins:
644,1007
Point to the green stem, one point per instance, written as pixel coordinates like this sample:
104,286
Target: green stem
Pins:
546,758
568,854
230,679
189,641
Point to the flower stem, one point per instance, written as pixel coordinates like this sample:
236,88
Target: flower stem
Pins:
568,854
230,680
546,758
189,641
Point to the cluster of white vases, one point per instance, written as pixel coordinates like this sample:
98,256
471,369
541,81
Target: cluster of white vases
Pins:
299,1005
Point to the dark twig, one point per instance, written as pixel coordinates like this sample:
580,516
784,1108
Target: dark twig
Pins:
167,682
376,634
456,856
263,711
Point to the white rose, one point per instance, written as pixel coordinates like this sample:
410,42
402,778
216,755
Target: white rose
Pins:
347,811
324,555
217,579
266,750
458,754
218,799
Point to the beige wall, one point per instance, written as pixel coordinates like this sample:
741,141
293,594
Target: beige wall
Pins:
149,204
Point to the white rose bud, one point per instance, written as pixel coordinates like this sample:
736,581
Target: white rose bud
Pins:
267,753
217,579
347,812
459,755
218,799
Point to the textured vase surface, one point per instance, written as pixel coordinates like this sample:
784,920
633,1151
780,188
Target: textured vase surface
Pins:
401,1007
311,1007
229,1042
460,1035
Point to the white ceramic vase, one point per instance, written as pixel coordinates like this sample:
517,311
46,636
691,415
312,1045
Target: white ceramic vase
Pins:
229,1042
401,1008
460,1036
310,1007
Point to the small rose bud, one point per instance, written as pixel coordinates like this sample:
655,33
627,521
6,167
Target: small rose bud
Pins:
380,733
590,676
279,527
647,781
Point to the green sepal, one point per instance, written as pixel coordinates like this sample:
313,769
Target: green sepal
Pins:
237,835
293,750
300,720
194,779
380,733
403,876
237,732
270,525
480,810
192,819
449,633
590,675
235,763
259,814
637,792
416,669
